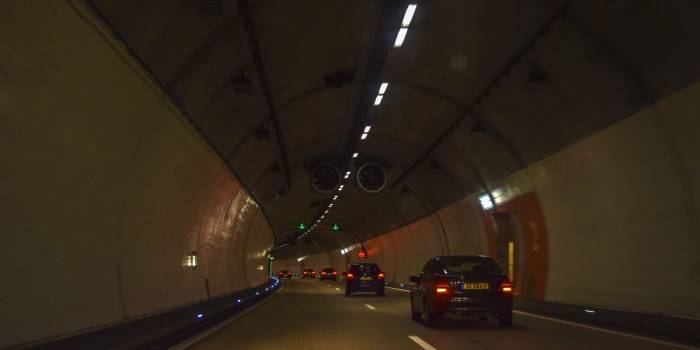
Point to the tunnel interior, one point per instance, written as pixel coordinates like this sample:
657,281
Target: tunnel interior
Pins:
164,154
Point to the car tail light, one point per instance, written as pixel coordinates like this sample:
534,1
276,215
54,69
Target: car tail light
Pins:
334,273
506,287
323,273
349,276
380,276
442,287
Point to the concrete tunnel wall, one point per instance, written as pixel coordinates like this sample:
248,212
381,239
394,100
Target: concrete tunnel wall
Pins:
105,186
611,221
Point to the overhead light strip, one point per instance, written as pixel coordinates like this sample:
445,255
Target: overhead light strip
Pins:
383,87
408,16
400,37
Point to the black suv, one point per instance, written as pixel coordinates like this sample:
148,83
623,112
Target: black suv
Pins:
364,278
464,285
328,274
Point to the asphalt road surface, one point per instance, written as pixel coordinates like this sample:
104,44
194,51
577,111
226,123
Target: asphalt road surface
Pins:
309,315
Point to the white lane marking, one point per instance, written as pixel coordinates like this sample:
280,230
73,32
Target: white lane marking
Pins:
329,285
638,337
199,337
338,289
399,289
370,307
423,344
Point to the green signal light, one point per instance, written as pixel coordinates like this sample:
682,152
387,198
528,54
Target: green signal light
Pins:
302,226
335,227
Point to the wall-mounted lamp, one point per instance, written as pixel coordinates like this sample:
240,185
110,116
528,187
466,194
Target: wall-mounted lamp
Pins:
485,201
191,260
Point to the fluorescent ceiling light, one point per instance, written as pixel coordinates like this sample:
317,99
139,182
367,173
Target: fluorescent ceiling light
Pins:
354,155
326,212
347,176
408,16
399,41
367,128
330,205
364,136
323,216
378,100
382,88
341,187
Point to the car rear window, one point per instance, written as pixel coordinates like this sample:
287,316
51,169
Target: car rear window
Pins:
365,268
470,265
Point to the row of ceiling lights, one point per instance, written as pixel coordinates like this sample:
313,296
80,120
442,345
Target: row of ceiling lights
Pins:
407,17
400,37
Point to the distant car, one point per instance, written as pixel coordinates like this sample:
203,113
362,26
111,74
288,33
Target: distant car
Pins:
464,285
328,274
284,273
308,273
364,277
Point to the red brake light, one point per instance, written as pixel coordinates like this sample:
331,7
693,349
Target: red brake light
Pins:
349,276
323,273
442,287
380,276
334,273
506,287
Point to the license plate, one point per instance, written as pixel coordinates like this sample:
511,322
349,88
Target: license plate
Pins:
472,286
365,278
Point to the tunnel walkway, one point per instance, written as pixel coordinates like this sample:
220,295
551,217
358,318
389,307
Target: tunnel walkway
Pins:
308,314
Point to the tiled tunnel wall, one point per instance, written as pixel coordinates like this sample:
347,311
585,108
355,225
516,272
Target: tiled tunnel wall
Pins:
611,221
106,188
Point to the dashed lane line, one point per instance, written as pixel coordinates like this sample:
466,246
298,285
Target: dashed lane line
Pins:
370,307
422,343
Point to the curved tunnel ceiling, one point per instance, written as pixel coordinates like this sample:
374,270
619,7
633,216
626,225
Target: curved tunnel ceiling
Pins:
477,91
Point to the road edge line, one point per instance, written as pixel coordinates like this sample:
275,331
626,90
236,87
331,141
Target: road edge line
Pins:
209,331
610,331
